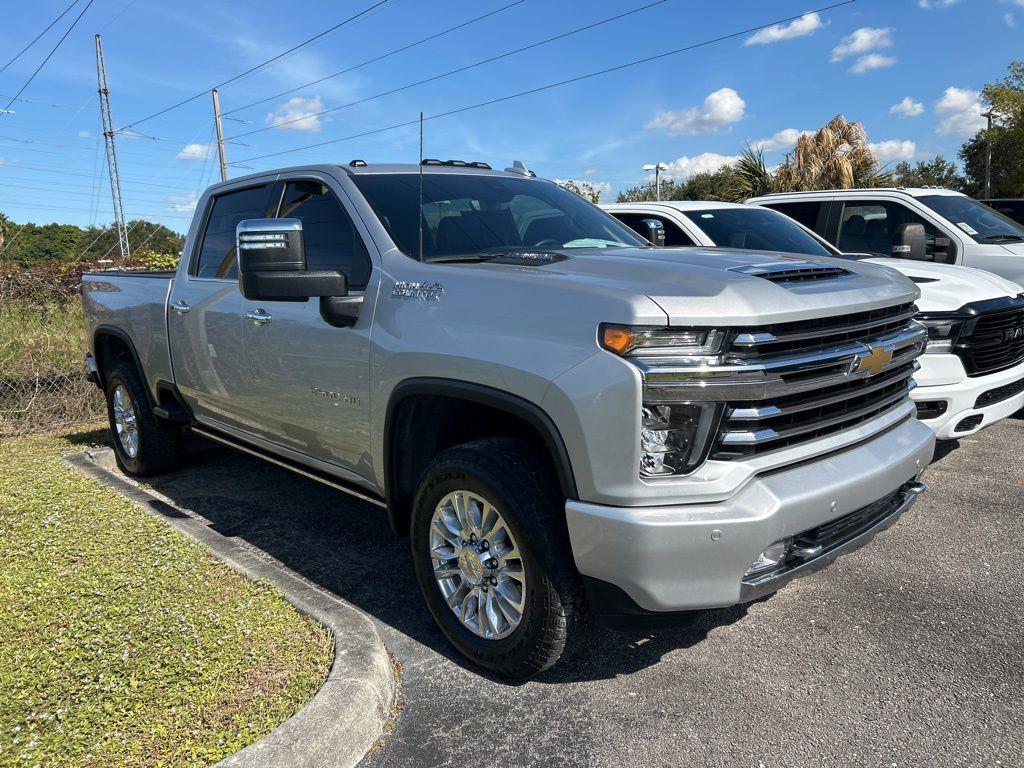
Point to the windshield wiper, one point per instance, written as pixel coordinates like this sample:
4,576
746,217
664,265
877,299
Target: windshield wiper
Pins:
1004,236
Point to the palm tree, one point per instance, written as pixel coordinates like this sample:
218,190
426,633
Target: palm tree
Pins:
750,176
836,157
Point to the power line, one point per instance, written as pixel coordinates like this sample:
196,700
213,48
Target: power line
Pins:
258,66
457,70
49,55
36,38
375,59
550,86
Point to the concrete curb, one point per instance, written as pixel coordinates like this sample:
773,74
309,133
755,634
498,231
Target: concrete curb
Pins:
346,717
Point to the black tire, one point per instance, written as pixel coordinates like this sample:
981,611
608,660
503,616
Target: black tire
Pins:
556,616
159,446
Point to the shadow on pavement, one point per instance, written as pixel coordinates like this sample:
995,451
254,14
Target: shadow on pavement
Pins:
347,547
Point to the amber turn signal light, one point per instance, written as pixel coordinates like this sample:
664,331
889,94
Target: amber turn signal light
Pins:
617,339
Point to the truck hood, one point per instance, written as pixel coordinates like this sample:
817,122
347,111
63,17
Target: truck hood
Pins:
946,287
698,286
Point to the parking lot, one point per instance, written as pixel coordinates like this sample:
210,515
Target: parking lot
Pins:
908,652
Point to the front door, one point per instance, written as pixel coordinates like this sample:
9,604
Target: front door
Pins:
205,316
310,379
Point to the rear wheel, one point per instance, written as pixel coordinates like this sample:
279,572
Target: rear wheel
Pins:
493,560
143,444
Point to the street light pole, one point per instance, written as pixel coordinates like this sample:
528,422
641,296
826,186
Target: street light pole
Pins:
657,168
988,154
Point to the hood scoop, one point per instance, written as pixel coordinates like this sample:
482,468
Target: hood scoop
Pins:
529,258
792,272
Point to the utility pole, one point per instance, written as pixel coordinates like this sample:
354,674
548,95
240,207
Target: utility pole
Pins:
108,139
988,154
657,168
221,153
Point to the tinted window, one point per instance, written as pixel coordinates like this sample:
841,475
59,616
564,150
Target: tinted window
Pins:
330,238
1012,208
674,234
474,213
870,226
806,213
756,228
217,255
979,221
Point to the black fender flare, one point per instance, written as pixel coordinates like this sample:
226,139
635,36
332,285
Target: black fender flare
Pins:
529,412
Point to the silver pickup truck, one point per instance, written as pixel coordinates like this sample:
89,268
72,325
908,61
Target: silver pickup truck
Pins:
567,422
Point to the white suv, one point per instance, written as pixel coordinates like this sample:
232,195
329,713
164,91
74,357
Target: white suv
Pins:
959,229
973,372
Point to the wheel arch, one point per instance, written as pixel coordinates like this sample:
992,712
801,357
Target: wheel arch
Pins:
412,437
111,343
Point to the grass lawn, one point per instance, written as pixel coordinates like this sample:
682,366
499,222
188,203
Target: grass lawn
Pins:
124,643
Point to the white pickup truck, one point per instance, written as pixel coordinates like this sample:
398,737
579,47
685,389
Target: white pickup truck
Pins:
972,374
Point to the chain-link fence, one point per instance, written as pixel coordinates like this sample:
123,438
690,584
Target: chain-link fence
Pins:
42,348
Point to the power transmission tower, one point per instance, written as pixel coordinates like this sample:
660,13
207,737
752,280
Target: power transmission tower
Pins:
220,136
108,138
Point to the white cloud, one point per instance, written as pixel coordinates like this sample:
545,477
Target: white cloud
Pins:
931,4
184,203
1009,20
84,134
720,109
195,152
861,41
872,61
684,167
961,110
805,25
784,139
294,111
907,108
893,149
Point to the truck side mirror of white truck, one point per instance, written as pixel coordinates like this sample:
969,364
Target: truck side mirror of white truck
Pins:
910,242
655,232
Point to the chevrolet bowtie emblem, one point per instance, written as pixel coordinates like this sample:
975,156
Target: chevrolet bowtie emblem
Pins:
874,362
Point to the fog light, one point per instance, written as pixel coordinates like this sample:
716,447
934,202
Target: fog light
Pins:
772,557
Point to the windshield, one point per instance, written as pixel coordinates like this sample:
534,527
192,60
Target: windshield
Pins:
757,229
977,220
468,214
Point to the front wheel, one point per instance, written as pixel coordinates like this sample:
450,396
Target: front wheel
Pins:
493,560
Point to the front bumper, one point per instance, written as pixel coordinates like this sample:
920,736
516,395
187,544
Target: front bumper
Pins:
694,556
943,380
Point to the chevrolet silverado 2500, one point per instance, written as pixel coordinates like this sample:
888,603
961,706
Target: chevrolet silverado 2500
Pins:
567,422
972,373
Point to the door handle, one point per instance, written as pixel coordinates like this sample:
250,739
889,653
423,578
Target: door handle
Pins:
181,306
258,317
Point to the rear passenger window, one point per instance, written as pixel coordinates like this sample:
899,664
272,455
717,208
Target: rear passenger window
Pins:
807,213
217,255
332,242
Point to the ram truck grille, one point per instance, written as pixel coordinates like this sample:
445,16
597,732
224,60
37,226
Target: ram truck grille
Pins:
791,383
995,342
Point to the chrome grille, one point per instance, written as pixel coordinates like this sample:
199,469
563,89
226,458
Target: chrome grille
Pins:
791,383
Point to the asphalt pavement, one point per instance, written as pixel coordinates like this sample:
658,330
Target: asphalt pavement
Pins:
908,652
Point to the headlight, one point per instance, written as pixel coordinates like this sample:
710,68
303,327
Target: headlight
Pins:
675,437
943,330
644,341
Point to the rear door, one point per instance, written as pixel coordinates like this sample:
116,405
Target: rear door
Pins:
205,321
310,379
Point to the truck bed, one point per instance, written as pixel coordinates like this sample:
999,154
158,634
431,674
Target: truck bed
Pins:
133,306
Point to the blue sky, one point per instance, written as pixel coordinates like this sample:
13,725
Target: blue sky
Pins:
908,69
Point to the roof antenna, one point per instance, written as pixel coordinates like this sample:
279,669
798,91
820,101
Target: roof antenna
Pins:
419,208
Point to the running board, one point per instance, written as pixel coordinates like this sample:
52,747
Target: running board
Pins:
313,474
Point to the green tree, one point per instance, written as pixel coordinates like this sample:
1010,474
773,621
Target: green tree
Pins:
584,189
1005,98
938,172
